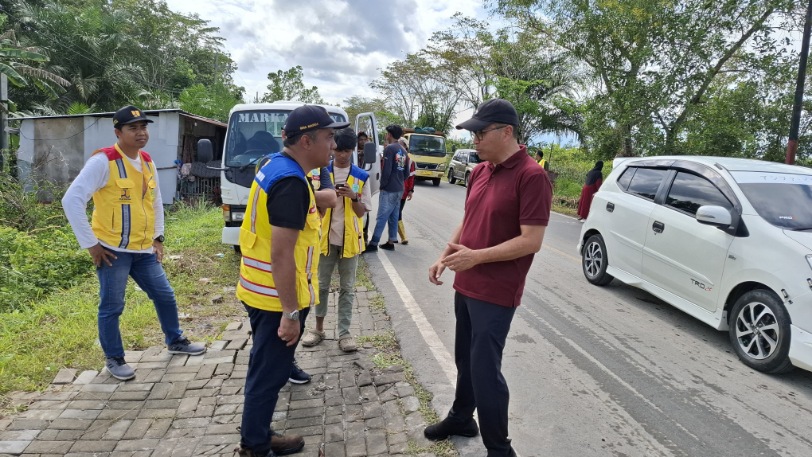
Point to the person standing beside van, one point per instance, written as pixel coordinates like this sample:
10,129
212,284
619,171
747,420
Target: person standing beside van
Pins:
408,191
393,173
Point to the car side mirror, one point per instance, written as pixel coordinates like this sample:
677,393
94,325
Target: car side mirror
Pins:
714,215
370,153
205,151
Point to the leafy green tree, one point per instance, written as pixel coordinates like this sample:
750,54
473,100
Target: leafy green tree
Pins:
289,85
214,102
356,105
119,52
654,62
17,63
415,92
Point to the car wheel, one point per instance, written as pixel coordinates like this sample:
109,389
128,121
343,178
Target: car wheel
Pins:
465,181
760,333
594,261
436,182
451,178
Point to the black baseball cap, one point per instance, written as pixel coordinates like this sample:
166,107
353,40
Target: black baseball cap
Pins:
493,111
395,130
310,117
128,115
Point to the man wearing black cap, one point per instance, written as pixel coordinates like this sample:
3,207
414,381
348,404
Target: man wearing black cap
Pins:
278,284
507,210
394,171
126,236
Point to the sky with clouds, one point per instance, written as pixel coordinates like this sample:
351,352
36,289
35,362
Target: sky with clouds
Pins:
340,44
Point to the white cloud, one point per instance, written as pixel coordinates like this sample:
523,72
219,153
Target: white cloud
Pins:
340,44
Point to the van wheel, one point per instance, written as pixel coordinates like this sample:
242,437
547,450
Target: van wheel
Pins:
760,333
594,261
465,181
451,178
436,182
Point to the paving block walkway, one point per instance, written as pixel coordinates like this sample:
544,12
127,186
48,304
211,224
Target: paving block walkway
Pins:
183,406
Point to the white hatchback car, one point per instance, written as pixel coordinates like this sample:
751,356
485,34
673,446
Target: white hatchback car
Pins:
728,241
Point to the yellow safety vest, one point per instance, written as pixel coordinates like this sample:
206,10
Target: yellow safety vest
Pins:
353,226
256,286
123,215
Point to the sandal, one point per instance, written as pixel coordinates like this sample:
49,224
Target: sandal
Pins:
347,343
312,338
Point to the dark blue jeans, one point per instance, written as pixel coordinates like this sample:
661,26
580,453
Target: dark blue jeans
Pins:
482,329
268,370
150,277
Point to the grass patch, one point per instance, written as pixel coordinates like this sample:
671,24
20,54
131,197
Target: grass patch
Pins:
60,331
377,303
388,355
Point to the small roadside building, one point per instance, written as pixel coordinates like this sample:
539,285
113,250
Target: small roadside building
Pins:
55,148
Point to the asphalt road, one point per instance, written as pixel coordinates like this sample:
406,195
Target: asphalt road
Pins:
592,371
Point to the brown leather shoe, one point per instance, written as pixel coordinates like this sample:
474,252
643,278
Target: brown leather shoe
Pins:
286,444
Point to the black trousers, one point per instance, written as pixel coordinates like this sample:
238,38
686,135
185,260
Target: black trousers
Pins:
482,329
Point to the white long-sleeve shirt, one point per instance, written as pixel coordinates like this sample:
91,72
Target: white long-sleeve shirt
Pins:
93,177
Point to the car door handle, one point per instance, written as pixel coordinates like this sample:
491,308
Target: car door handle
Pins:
658,227
610,207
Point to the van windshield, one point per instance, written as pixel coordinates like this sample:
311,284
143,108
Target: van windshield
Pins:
783,200
427,145
255,134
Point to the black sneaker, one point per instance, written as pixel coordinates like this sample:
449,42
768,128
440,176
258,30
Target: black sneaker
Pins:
297,375
389,246
119,369
184,346
371,247
451,426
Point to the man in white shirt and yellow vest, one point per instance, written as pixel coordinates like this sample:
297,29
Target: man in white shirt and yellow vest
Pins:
126,236
342,240
280,244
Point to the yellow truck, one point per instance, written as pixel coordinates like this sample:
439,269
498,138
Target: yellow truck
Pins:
427,151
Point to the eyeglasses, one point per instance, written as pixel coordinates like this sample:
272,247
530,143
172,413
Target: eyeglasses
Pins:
481,134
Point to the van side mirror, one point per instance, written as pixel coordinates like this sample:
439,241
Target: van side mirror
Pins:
370,153
205,151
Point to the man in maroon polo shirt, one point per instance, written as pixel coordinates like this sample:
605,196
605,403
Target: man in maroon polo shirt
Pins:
506,211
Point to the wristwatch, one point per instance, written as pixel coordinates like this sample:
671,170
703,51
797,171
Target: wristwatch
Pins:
159,238
294,316
356,199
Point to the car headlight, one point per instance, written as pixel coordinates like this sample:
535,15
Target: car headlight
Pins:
237,216
441,167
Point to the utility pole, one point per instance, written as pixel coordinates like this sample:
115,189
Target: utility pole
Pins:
3,120
792,145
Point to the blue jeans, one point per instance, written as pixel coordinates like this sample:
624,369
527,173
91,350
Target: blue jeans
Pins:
269,367
150,277
482,329
388,211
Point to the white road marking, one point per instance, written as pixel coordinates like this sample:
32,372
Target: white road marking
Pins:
436,347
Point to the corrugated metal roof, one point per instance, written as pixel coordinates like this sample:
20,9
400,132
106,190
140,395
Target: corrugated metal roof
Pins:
153,112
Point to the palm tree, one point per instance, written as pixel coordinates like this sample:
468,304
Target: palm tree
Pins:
16,64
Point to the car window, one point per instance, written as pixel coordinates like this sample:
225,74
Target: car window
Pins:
782,199
646,181
473,158
626,178
688,192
